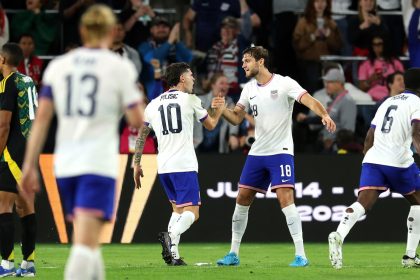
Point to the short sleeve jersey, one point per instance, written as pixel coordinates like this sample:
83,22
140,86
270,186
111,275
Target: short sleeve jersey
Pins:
171,115
90,89
393,131
18,95
272,107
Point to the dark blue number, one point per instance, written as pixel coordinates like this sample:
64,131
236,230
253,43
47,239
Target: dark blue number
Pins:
254,110
88,81
168,118
388,120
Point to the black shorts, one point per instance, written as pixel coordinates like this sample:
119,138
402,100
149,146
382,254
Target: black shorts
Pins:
8,182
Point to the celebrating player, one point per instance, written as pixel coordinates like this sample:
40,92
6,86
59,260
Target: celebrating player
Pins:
18,99
270,160
389,164
171,115
88,88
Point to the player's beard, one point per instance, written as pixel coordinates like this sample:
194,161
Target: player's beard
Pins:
252,73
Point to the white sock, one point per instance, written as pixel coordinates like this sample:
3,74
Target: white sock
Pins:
239,222
184,221
172,220
80,264
99,265
26,264
7,264
349,219
295,228
413,226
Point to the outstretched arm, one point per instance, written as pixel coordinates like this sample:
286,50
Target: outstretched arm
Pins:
235,116
318,109
416,136
370,136
141,139
214,113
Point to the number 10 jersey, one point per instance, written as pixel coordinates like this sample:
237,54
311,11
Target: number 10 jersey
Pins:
171,115
393,131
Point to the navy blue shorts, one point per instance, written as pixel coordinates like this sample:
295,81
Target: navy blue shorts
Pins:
182,188
88,193
260,171
383,177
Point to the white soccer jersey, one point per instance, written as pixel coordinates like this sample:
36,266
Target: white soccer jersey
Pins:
272,107
90,89
393,131
171,115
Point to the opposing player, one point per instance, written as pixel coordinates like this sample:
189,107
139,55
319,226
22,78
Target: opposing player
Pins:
389,164
89,89
18,100
270,160
171,115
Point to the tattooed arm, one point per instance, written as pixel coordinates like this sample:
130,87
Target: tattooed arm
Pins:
141,139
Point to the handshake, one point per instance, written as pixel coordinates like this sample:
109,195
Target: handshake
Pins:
218,102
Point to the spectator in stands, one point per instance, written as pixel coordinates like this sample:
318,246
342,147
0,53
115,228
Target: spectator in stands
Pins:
71,11
395,84
165,46
224,138
414,36
342,109
225,55
363,26
4,27
42,26
31,65
208,16
136,18
339,8
125,50
315,34
394,23
374,71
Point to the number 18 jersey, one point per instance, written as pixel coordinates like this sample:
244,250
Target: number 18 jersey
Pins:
171,115
393,131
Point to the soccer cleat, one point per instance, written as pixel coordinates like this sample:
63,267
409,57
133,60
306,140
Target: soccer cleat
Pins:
177,262
165,241
299,261
29,272
408,262
335,245
230,259
7,272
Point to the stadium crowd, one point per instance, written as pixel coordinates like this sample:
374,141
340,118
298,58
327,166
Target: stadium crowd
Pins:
211,35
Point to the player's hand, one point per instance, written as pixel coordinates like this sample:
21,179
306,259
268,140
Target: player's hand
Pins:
218,102
137,173
328,123
30,180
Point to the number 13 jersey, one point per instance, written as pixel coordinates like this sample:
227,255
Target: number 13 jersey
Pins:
393,131
171,115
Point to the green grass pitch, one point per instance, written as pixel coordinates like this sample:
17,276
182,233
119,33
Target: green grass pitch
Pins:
258,261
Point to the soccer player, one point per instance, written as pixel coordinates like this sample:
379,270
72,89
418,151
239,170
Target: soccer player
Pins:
18,101
89,89
171,115
270,160
389,164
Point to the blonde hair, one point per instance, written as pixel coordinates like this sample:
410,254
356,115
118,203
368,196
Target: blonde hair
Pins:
97,21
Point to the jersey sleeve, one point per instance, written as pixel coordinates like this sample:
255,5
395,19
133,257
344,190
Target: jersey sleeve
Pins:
200,113
415,116
243,101
294,91
9,96
47,82
131,95
146,118
374,121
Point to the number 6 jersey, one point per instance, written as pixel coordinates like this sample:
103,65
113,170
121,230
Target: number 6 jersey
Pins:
393,131
171,115
90,89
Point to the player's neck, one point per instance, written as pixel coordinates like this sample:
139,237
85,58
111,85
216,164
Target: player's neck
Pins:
179,88
264,76
8,70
